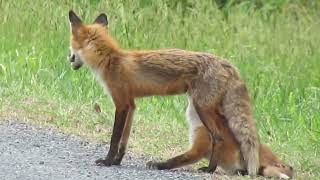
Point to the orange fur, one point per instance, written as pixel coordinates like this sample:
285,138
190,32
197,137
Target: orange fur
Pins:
227,154
209,81
230,158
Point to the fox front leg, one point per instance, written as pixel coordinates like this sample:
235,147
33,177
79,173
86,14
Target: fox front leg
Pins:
120,120
125,136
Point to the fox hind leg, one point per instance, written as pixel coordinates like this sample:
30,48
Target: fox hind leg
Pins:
198,150
205,117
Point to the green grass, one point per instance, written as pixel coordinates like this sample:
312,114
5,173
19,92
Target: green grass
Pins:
275,49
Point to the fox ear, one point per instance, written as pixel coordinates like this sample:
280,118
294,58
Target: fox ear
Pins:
102,19
75,21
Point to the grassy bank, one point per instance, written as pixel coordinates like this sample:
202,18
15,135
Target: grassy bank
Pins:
276,50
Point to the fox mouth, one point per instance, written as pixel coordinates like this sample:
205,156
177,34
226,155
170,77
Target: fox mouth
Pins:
76,66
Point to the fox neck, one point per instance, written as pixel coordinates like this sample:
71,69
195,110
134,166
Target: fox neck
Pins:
100,52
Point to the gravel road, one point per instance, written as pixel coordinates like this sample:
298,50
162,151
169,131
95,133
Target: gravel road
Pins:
29,152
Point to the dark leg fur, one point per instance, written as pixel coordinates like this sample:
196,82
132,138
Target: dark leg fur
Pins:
215,137
125,136
120,119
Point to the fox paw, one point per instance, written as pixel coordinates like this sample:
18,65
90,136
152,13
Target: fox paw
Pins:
155,165
207,169
116,162
104,162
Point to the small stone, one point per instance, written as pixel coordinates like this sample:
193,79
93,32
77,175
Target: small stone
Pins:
41,162
36,145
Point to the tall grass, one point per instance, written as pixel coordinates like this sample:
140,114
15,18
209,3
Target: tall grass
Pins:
275,49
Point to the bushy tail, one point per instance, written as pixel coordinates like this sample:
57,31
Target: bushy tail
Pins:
236,108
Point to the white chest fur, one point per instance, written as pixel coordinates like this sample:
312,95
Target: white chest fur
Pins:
193,120
99,77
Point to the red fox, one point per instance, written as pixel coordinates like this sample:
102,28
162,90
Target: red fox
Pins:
227,153
209,82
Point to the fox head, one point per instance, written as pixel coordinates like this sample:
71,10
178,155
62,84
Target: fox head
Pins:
85,39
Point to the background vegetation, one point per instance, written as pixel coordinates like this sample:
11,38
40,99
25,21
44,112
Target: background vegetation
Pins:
274,44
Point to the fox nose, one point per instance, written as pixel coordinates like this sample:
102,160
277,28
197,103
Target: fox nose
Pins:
72,58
